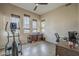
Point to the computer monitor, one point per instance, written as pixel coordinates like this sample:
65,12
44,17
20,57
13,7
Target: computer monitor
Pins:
72,36
13,26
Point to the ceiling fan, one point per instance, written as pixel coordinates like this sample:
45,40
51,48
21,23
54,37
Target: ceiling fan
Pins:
37,4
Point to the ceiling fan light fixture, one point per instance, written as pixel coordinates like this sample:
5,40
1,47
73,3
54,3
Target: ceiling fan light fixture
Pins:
36,5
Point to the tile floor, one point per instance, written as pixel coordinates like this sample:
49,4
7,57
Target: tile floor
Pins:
41,48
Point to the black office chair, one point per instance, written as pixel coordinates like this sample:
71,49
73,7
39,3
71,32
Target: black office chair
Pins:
57,37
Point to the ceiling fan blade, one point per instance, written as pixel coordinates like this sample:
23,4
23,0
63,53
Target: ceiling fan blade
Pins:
43,3
35,8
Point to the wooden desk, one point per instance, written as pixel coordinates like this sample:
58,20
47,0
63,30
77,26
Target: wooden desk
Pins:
62,49
36,37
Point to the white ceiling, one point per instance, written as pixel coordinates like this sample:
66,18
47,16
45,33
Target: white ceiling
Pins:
41,8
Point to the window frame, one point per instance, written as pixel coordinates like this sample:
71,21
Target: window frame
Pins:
42,27
36,25
24,29
15,20
16,16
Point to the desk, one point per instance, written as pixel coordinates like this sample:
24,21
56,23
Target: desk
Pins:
62,49
36,37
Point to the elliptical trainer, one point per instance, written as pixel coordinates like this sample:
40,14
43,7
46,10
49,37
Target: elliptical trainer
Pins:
13,27
14,48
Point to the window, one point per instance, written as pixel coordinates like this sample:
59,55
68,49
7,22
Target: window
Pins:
34,25
26,23
43,26
15,19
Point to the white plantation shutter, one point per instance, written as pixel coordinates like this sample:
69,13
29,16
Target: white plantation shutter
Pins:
26,24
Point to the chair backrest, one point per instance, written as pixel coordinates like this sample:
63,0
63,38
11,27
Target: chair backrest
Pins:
57,37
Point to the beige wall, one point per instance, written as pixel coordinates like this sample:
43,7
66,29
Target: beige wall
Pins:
5,12
60,20
78,16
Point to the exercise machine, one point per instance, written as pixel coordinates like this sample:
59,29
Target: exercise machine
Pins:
16,48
